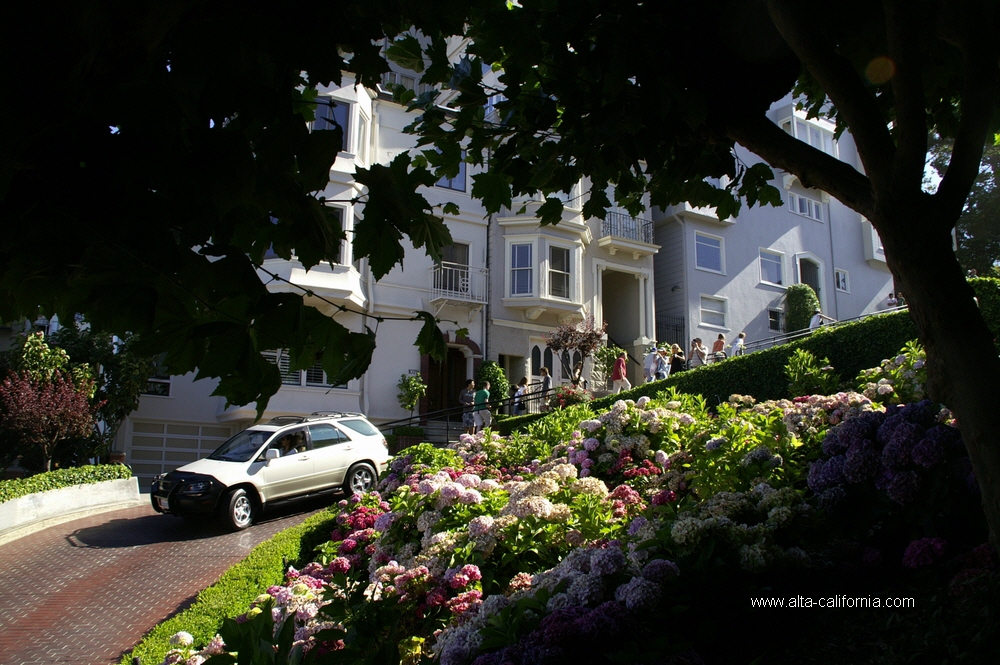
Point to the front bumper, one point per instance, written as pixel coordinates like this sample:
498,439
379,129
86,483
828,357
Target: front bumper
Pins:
185,494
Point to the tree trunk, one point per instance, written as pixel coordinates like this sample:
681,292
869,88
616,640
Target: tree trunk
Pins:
962,365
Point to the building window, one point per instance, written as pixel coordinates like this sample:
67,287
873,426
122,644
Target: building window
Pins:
314,377
775,320
159,383
708,252
713,311
771,269
559,272
520,269
331,113
456,183
805,206
811,133
840,281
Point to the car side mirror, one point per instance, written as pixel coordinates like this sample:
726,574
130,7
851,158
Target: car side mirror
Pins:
272,453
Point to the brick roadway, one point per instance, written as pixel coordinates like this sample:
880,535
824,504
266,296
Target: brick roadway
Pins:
88,590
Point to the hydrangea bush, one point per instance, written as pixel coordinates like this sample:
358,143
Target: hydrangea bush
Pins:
600,540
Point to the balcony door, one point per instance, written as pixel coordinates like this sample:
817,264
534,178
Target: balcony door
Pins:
453,277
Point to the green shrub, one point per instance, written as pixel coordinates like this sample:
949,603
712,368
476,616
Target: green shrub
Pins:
53,480
800,304
988,294
808,376
238,586
499,385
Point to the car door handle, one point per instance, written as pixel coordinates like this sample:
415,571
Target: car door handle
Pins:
303,459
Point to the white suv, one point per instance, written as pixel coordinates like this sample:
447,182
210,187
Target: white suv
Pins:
288,457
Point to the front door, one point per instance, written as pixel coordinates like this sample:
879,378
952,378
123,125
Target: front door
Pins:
446,381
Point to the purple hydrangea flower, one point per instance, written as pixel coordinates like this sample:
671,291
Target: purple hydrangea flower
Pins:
929,452
904,487
826,474
607,561
832,445
660,570
923,552
860,465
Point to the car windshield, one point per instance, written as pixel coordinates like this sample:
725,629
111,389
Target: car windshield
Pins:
242,447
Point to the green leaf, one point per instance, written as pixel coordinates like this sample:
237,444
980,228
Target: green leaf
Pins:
431,340
493,188
406,53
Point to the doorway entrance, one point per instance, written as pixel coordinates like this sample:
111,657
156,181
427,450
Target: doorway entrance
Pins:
445,381
809,274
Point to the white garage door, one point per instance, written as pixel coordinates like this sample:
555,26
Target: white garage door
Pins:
157,447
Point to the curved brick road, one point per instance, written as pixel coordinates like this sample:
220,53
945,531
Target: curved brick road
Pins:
86,591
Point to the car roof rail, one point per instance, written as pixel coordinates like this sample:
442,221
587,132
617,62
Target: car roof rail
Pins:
333,414
285,420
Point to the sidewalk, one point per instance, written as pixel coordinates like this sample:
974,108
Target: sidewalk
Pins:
87,591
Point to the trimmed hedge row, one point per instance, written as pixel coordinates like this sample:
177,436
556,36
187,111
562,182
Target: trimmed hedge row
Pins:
850,347
236,589
53,480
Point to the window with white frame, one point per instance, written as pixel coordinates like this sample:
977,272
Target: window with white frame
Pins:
771,267
521,276
313,377
811,133
775,320
559,272
159,383
330,114
457,182
805,206
709,252
713,311
840,281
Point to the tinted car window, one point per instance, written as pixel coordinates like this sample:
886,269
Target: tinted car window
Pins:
361,427
326,435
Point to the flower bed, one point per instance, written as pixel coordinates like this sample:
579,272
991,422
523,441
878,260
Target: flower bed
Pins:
637,534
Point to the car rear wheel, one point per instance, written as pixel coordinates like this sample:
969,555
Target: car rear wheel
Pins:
360,479
238,509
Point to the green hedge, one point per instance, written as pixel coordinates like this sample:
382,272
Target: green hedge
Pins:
53,480
236,589
851,347
988,294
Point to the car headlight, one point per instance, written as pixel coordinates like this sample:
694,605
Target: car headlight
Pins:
196,487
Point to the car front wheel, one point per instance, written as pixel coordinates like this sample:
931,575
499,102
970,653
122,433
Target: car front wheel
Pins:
360,479
238,509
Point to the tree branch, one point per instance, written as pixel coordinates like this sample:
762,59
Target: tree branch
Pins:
910,122
796,23
813,167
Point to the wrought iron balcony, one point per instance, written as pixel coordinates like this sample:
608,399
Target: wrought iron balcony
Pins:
627,234
457,283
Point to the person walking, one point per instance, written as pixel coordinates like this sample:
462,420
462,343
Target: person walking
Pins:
649,364
677,360
619,380
740,344
546,387
467,398
482,408
698,355
522,390
818,318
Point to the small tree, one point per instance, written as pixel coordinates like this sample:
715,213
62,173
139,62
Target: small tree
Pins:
584,337
43,413
800,303
411,389
121,375
499,385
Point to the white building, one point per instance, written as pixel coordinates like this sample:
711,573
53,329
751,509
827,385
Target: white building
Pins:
540,277
730,276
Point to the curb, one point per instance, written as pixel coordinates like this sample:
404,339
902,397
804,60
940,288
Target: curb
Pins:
29,514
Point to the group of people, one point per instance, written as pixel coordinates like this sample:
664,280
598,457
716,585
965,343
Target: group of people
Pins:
476,416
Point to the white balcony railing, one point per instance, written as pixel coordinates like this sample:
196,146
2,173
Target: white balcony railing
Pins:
459,283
